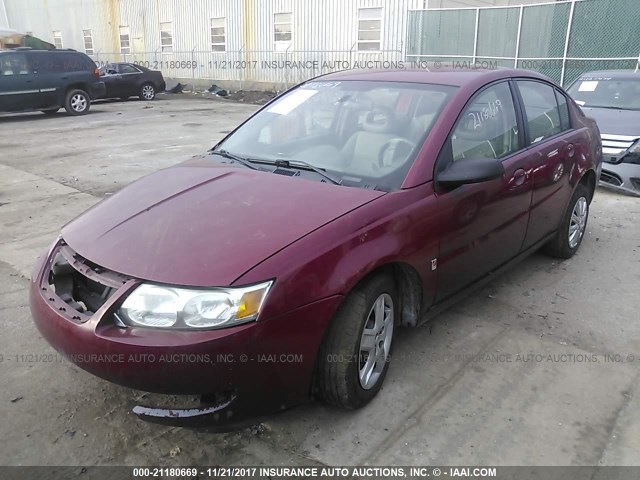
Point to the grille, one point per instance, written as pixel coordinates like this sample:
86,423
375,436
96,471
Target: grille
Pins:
615,145
610,178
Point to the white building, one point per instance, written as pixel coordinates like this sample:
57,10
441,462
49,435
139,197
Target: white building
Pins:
4,20
244,41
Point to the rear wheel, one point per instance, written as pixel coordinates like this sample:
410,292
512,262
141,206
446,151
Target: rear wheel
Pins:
147,92
573,227
78,102
355,354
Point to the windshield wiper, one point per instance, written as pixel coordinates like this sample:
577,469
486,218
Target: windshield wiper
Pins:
243,161
299,164
609,107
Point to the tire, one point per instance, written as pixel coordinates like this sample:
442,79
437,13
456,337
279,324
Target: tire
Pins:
147,92
341,376
78,102
50,111
573,226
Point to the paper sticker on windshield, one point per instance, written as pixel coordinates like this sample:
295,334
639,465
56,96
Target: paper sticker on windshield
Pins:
580,102
588,86
321,85
291,101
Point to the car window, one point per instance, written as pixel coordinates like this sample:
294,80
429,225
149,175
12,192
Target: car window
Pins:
565,120
365,133
487,127
604,91
541,109
14,64
128,69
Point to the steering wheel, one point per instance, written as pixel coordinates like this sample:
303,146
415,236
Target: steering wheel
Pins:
396,145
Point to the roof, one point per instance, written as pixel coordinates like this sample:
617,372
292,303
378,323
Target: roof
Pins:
457,76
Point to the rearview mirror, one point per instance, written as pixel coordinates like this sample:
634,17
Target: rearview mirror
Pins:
470,170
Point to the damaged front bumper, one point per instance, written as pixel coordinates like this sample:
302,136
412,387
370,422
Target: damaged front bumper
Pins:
241,372
622,177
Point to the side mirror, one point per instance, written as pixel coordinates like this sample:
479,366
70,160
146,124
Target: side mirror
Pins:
470,170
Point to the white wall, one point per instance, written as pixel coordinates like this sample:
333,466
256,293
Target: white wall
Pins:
4,20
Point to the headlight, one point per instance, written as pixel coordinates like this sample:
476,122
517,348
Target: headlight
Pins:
168,307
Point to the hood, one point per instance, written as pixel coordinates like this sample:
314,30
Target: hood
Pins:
615,122
204,224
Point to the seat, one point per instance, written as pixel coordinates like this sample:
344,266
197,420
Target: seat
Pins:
364,147
473,139
425,115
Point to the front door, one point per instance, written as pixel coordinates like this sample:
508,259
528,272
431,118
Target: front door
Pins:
18,89
483,225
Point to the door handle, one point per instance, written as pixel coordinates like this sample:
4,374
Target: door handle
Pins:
571,150
519,177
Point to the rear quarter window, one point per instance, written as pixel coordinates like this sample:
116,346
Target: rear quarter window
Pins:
63,62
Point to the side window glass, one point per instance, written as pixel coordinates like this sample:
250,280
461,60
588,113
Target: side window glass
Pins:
14,64
487,127
541,108
565,120
127,69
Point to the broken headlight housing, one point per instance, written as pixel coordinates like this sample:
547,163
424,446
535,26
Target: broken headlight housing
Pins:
160,306
632,155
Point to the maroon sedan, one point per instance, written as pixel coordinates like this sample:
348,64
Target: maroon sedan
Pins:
280,264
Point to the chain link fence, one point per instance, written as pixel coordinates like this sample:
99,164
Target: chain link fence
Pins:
560,39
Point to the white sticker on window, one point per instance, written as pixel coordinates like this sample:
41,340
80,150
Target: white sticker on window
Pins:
589,86
291,101
580,102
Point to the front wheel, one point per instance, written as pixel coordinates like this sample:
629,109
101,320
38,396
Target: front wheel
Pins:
147,92
78,102
573,227
355,354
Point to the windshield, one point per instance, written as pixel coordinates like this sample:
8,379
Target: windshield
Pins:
363,134
607,92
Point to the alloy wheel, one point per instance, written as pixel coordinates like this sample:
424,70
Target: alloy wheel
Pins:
578,222
375,342
79,103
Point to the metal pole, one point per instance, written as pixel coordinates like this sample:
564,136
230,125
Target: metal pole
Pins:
638,63
475,36
240,61
566,42
515,60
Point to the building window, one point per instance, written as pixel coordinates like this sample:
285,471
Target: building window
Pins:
282,27
57,39
369,29
218,35
88,42
125,40
166,37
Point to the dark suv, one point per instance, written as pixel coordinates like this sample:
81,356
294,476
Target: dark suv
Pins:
48,80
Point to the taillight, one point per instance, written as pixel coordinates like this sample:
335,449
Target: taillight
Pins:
96,73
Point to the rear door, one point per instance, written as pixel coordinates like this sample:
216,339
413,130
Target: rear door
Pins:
483,225
18,89
554,145
50,72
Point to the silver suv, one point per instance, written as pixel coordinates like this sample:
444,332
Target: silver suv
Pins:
612,98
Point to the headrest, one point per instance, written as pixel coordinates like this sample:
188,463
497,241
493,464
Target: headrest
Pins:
379,120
